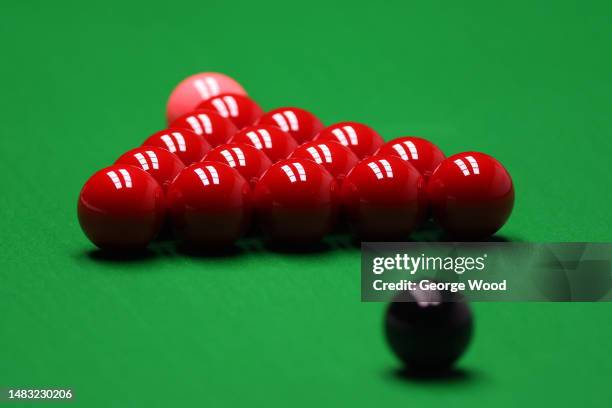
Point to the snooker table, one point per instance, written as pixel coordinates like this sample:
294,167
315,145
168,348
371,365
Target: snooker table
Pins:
528,82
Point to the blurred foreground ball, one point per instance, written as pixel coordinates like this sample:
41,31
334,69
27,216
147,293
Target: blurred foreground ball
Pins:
428,330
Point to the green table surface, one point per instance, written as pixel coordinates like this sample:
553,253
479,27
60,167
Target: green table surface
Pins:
526,81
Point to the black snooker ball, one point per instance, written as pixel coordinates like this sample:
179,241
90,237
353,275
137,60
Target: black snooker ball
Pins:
428,330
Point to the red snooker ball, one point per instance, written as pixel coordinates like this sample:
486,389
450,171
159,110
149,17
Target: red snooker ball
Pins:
295,202
159,163
208,124
210,205
275,143
361,139
299,123
421,153
384,199
240,109
249,161
471,195
197,88
121,208
185,144
336,159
